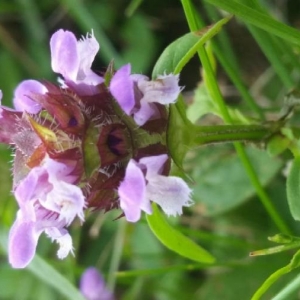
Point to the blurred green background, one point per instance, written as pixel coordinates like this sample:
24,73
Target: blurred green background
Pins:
227,218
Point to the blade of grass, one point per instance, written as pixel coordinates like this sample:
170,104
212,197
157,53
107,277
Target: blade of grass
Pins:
258,19
289,290
132,7
224,55
270,46
274,56
282,45
214,90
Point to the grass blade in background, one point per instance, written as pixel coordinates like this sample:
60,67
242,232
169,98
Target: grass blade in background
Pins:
258,19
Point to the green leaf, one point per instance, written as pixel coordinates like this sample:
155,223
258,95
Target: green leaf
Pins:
258,19
175,240
221,182
293,189
178,54
203,104
277,144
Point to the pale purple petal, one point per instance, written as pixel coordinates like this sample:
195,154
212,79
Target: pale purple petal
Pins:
64,54
92,286
139,77
91,78
22,101
170,193
59,170
154,164
122,88
143,114
66,199
87,88
30,189
163,90
22,243
132,192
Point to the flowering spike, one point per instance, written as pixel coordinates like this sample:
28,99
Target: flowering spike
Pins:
90,143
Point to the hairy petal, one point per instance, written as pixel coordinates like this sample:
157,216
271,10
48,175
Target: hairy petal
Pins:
132,193
170,193
122,88
67,200
63,238
87,50
22,101
163,90
22,243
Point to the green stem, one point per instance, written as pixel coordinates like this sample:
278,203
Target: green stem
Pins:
221,137
232,128
271,279
231,133
214,90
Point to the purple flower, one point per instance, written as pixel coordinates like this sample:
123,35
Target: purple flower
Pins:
73,59
143,182
76,149
138,96
48,203
92,286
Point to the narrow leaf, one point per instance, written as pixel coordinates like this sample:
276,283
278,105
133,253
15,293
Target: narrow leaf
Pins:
293,189
175,240
258,19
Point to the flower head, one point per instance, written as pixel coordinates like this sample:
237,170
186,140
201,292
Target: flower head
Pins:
92,286
85,144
